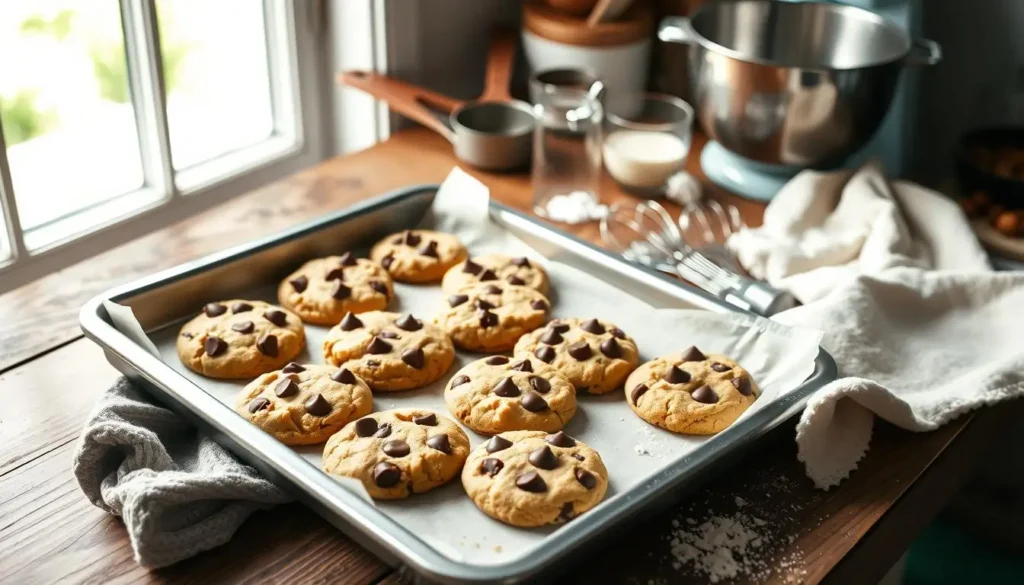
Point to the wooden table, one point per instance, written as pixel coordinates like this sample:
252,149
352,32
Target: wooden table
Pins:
50,377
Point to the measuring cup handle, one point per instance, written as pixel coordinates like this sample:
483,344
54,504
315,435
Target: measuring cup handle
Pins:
500,61
404,98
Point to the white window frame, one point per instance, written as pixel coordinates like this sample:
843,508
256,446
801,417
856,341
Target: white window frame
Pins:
306,131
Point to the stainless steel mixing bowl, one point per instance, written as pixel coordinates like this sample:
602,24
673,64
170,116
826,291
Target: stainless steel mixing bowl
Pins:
793,83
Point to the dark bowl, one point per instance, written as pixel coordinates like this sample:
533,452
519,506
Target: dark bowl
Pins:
1003,190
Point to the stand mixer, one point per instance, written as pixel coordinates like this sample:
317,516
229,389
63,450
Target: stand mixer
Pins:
781,86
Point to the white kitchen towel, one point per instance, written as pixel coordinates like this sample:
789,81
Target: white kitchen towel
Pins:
921,328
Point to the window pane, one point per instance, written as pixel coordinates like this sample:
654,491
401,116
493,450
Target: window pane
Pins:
216,77
65,107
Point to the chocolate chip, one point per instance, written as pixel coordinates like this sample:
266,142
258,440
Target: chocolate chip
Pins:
386,474
318,405
337,273
593,326
214,346
559,327
214,309
488,319
523,366
539,305
692,354
429,250
441,443
347,259
472,268
187,335
560,439
540,384
492,290
389,335
638,391
543,458
299,283
580,351
372,363
515,280
719,367
241,307
343,376
551,337
243,327
533,402
428,420
498,443
340,291
409,323
578,457
567,512
350,322
496,360
586,479
488,275
383,431
396,448
292,368
611,348
258,404
491,466
705,395
410,239
387,261
506,388
456,300
484,305
379,287
267,344
545,354
414,358
459,380
676,375
616,332
742,384
531,482
521,261
286,387
366,426
378,346
276,316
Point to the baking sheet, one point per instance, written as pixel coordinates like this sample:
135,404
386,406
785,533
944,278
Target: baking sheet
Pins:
778,357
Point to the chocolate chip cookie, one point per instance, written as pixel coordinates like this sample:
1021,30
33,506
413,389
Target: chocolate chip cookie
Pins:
498,269
418,256
594,355
323,290
691,393
397,453
530,478
304,404
388,350
497,394
490,317
240,339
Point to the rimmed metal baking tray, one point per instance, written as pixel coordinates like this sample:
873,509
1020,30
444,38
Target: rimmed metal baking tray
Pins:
268,259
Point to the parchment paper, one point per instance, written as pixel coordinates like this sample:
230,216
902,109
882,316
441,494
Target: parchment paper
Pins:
778,357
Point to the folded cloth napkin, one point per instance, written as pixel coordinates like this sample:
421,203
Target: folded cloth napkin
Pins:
921,328
178,492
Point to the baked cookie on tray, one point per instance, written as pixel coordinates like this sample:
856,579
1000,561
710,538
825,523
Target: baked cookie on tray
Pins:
531,478
498,394
304,404
594,355
397,453
496,268
691,393
490,317
418,256
388,350
240,339
323,290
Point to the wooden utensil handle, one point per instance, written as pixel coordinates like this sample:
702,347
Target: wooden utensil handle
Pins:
409,100
501,57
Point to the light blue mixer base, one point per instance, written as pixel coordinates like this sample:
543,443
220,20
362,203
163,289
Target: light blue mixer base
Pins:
743,176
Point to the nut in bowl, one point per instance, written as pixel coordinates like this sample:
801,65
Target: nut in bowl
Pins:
991,161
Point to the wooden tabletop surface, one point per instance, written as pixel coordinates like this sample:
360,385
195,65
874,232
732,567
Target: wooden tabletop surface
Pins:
50,377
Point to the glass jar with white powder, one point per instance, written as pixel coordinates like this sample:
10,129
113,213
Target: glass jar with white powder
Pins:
647,141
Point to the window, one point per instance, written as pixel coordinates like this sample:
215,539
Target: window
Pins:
134,114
